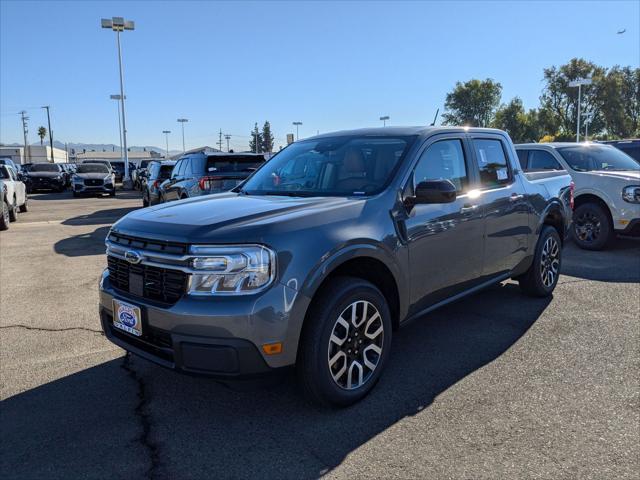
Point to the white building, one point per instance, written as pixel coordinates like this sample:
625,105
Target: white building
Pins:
34,154
134,157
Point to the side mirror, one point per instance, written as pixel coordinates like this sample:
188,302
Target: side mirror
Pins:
433,191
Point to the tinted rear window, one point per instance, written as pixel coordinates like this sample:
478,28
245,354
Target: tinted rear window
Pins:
233,164
165,171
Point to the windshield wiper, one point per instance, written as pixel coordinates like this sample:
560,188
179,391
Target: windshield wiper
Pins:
287,193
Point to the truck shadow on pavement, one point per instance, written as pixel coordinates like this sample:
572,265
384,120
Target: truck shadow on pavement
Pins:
99,217
84,244
128,418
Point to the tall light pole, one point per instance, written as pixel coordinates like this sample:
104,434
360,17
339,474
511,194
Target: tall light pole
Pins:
166,136
119,24
26,156
117,98
587,120
227,138
50,132
384,120
578,83
297,124
182,121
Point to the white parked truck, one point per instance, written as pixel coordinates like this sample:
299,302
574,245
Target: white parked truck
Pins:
14,196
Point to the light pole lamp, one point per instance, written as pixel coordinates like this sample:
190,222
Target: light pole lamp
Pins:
182,121
166,136
578,83
119,24
384,120
297,124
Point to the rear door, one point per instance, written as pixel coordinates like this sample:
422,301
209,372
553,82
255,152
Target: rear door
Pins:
445,240
505,204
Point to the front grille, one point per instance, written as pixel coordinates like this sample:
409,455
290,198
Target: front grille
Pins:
152,283
151,245
91,182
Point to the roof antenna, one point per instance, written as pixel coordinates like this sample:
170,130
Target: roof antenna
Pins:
435,118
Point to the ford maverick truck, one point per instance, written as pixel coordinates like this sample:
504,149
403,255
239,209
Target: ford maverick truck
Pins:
325,250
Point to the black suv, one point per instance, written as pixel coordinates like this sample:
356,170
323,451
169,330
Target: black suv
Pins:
201,174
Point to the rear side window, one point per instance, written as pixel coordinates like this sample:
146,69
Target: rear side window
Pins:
541,160
165,171
233,164
522,158
443,160
492,162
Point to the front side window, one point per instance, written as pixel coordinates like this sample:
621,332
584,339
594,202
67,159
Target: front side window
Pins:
541,160
4,173
492,162
443,160
586,158
176,170
331,166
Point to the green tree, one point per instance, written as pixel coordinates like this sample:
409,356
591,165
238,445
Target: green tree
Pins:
267,138
42,132
256,139
559,101
472,103
619,102
521,126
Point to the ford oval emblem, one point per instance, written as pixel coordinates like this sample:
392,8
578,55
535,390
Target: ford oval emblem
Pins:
132,256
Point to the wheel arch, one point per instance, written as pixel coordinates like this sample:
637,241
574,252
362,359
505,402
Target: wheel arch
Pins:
592,198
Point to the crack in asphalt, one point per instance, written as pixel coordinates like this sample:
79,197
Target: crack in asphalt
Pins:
144,417
44,329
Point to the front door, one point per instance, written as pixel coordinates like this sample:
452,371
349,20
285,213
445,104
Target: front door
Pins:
445,240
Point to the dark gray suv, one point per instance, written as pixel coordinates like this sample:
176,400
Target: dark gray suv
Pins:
325,250
201,174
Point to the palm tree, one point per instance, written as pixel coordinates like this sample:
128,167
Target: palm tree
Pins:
42,132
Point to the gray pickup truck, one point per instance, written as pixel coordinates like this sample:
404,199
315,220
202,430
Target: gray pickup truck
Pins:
335,242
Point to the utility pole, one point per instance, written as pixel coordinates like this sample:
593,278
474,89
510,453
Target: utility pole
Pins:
227,137
25,131
220,140
50,131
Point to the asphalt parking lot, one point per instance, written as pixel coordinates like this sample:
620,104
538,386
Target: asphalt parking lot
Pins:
496,386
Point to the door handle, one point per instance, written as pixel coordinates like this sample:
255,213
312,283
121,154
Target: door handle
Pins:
516,196
468,208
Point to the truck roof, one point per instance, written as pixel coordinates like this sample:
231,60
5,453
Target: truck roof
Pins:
556,144
395,131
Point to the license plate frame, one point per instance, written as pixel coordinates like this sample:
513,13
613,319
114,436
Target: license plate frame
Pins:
127,317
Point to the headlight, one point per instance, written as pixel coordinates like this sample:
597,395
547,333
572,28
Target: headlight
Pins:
236,270
77,179
631,194
107,179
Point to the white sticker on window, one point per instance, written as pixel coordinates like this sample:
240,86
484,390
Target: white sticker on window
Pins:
502,173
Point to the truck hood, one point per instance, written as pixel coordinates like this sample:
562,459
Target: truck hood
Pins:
626,175
235,218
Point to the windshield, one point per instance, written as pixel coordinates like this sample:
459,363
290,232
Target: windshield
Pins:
95,168
165,171
332,166
45,167
4,173
586,158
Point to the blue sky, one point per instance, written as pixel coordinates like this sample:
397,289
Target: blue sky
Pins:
330,65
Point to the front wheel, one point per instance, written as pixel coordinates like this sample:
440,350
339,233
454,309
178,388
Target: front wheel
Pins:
345,342
25,206
13,211
591,227
542,277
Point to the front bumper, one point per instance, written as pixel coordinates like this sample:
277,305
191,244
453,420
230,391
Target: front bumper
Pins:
45,183
219,337
632,229
105,188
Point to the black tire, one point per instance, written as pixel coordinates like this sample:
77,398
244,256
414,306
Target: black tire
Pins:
112,193
25,206
4,218
145,199
75,194
315,375
592,229
542,277
13,212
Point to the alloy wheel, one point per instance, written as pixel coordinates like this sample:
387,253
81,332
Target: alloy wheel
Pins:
587,227
355,345
550,262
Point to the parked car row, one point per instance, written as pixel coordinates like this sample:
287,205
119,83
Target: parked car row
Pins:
196,174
